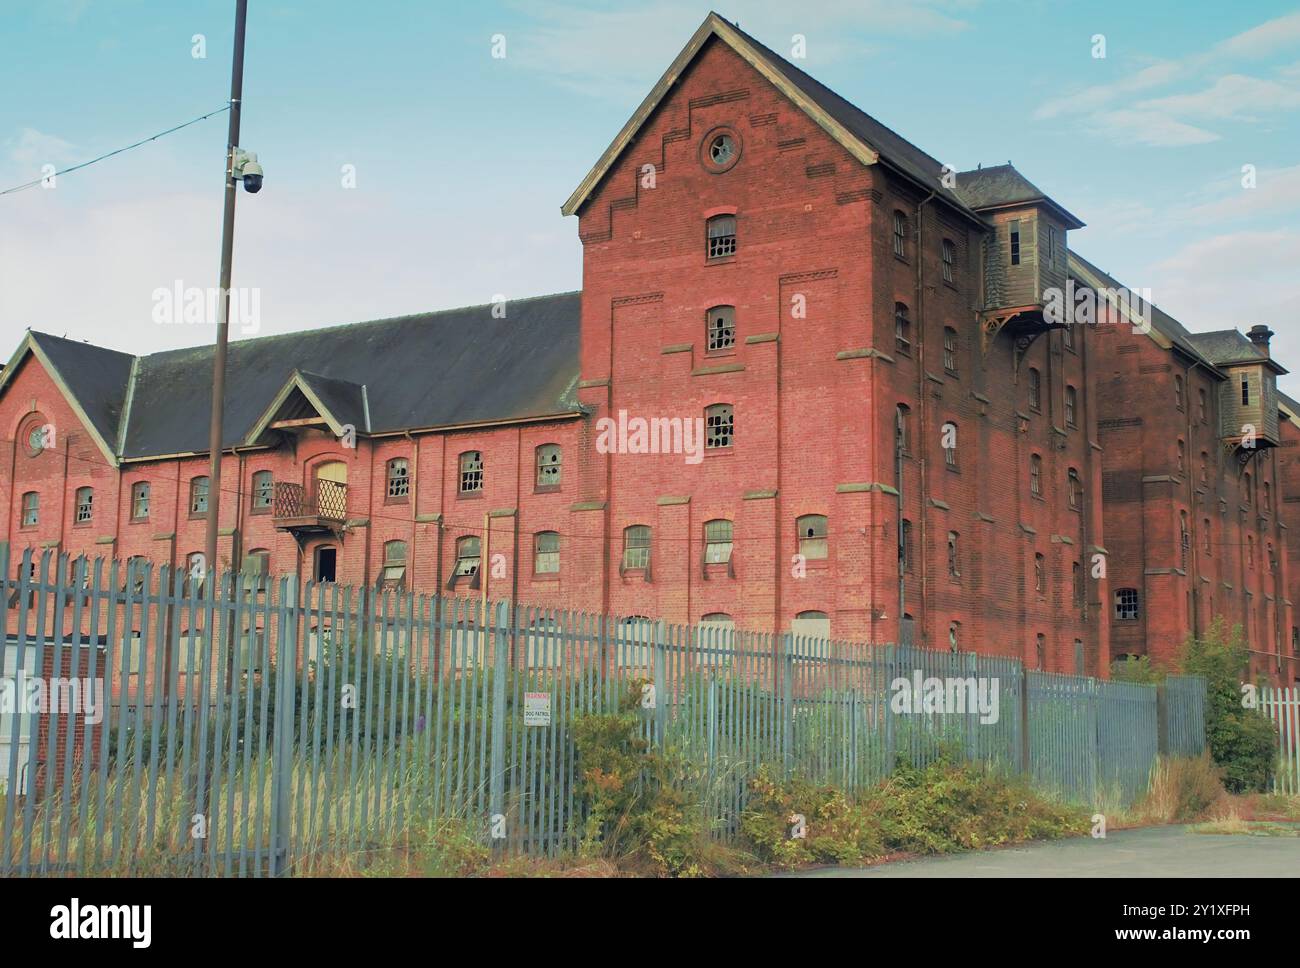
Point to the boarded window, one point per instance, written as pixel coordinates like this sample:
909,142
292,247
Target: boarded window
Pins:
263,490
546,553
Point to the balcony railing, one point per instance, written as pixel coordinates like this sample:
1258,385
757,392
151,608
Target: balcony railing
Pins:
326,502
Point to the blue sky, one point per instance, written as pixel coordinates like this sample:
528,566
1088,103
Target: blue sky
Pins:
462,160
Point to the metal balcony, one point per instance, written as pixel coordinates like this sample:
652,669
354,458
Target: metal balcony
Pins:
323,508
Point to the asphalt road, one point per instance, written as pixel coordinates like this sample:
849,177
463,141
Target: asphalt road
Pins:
1149,852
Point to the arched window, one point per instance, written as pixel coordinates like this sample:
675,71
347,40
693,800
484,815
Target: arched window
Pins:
263,492
549,462
954,555
1268,496
1035,390
1181,455
467,557
636,546
948,251
471,472
717,542
1205,467
1071,407
1178,391
546,553
1250,551
198,496
903,428
1036,475
256,567
811,529
1202,405
85,505
720,328
900,234
950,350
1040,651
722,236
394,573
1075,484
1206,543
1040,573
902,330
399,480
719,426
813,624
140,501
31,509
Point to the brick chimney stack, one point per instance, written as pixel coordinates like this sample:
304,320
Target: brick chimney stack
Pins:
1260,335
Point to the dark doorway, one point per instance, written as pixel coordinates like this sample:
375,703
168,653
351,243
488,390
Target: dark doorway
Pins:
326,564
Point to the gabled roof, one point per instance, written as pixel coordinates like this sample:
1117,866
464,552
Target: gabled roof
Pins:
860,134
94,380
340,403
456,367
1002,186
441,369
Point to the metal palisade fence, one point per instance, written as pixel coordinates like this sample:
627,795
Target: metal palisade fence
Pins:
1282,706
239,725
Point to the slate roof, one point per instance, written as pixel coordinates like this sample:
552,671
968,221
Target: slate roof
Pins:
1168,327
1002,185
1228,346
457,366
98,376
893,147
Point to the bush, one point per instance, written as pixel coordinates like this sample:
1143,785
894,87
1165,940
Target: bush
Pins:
637,800
1242,741
1182,788
1136,668
945,807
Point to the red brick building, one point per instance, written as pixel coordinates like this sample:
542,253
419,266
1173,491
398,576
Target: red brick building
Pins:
874,426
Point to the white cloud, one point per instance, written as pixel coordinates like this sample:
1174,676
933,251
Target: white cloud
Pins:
1276,192
32,149
1178,119
587,49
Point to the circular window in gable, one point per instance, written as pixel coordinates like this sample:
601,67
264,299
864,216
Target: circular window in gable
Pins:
35,434
720,149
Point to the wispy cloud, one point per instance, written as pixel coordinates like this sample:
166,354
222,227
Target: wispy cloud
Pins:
31,149
587,49
1185,117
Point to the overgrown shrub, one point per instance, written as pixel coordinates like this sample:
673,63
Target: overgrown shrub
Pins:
944,807
1136,668
638,800
1242,741
1182,788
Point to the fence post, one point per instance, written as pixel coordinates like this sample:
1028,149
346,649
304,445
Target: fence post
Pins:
787,700
1026,764
286,660
661,690
501,649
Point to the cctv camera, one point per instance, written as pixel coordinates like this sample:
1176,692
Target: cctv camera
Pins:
245,166
252,173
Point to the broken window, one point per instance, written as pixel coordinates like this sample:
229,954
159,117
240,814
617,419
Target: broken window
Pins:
721,328
722,236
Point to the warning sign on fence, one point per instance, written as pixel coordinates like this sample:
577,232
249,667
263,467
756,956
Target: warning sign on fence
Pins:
537,709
